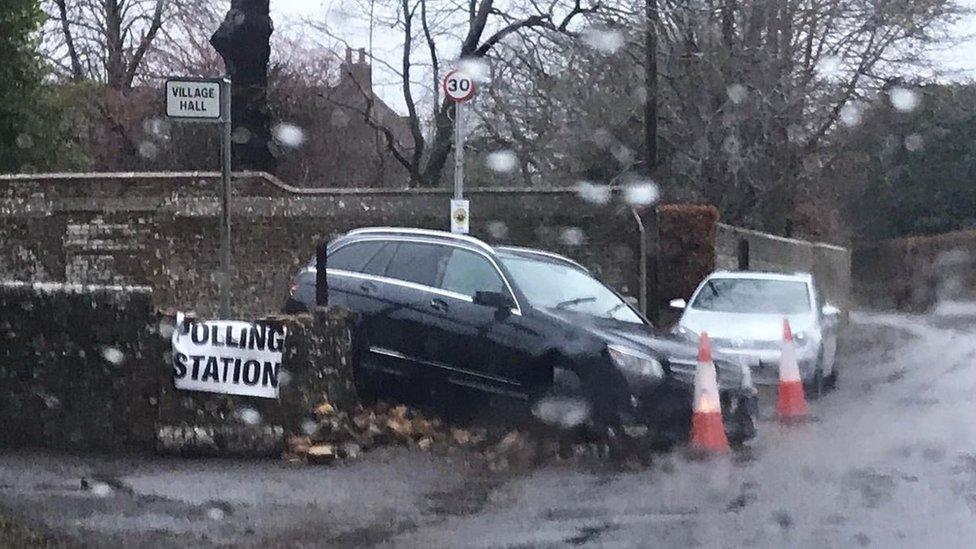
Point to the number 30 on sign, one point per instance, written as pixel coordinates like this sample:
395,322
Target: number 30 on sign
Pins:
458,86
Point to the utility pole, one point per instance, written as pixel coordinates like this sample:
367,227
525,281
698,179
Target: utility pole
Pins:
650,86
650,236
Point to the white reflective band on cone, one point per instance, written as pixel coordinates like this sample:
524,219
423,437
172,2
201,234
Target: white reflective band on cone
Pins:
706,389
789,370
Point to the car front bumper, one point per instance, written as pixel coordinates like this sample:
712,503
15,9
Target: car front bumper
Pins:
666,410
764,363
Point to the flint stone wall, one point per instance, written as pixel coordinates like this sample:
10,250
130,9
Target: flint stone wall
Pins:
89,368
162,230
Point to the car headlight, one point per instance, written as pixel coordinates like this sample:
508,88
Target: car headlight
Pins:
635,362
685,333
802,339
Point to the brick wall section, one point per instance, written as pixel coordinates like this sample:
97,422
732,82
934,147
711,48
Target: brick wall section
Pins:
163,231
88,368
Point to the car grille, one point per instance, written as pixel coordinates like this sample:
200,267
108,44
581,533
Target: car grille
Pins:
729,374
754,344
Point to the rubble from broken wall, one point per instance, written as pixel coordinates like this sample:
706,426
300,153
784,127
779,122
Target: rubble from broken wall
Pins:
338,435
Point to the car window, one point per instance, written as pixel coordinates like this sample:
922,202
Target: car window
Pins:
558,286
353,257
467,272
418,263
751,295
381,259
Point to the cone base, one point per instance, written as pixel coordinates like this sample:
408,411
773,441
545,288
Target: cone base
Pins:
791,406
708,433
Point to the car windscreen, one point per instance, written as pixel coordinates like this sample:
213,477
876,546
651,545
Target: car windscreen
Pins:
751,295
549,285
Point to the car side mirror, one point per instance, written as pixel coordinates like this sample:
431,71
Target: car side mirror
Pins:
830,310
678,303
498,300
632,300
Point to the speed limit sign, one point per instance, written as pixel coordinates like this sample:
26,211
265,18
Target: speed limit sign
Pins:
458,86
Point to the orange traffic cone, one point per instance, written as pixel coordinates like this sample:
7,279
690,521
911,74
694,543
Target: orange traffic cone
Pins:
707,431
791,405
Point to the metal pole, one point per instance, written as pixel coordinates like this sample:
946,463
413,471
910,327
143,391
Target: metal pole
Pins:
321,275
458,151
643,261
225,167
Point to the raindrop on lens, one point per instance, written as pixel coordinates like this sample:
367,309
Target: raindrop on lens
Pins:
737,93
148,150
498,230
903,100
914,142
240,135
100,489
603,40
572,236
309,427
850,115
593,192
501,161
475,69
249,416
641,193
289,135
113,355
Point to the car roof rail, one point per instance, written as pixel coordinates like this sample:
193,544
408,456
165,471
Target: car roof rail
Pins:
543,253
423,232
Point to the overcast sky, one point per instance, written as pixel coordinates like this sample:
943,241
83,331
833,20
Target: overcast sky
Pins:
959,61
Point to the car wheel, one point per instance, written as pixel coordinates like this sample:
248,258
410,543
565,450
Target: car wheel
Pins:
815,388
831,380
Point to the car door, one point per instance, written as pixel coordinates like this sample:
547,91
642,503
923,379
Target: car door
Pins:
356,281
480,346
411,276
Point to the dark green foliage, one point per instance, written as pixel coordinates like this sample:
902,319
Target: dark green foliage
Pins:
31,126
912,173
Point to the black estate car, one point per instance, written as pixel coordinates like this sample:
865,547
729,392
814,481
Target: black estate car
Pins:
434,307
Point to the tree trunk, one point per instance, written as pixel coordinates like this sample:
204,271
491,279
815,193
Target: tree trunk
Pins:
114,64
243,41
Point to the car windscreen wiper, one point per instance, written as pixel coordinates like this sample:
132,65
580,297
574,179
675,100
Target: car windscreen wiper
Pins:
574,301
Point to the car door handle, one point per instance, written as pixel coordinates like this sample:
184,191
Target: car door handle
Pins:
439,304
367,287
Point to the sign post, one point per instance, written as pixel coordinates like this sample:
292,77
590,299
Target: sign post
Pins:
208,100
459,88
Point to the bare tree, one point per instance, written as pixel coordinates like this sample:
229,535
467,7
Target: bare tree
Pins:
428,39
103,40
749,94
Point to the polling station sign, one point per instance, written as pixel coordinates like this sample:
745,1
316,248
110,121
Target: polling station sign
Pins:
228,356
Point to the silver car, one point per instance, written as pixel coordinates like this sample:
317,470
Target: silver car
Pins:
743,314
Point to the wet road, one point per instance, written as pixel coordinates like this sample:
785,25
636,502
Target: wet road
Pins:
890,460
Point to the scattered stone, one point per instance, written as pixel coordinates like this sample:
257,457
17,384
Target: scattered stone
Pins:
298,444
346,434
324,409
351,450
461,436
321,454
